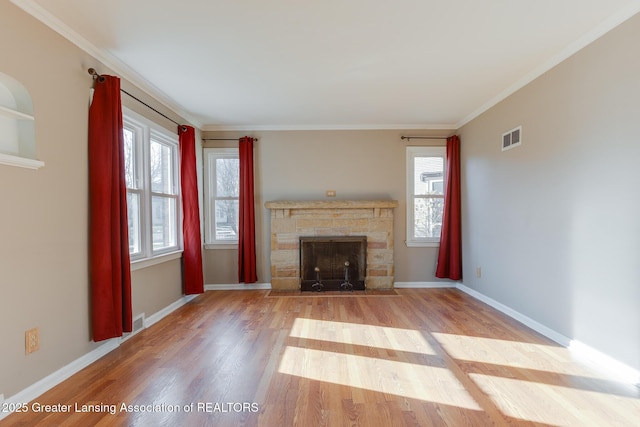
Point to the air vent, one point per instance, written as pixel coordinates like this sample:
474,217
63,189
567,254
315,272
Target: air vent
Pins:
138,325
512,139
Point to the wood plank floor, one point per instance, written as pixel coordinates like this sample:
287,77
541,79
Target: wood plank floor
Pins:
428,357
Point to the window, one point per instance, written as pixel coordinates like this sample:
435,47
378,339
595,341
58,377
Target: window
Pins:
153,198
222,188
425,195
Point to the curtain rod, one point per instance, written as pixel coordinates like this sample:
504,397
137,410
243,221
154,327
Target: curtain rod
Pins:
98,77
224,139
409,138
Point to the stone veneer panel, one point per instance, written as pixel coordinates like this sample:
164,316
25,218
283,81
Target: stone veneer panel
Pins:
291,219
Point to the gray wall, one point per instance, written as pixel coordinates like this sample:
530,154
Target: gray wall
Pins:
304,164
554,224
44,216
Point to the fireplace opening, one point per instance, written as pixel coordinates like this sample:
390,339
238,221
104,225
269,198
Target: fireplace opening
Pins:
331,263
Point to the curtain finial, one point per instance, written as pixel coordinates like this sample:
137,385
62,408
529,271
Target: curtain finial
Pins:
95,75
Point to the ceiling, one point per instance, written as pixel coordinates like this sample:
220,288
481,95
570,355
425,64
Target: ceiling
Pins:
331,64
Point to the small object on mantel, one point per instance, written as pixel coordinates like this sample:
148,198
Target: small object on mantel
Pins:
331,193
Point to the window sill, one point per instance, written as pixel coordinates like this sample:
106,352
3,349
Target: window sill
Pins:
148,262
230,245
422,244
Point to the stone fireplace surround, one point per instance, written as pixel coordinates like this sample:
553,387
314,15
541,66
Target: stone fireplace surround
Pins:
291,219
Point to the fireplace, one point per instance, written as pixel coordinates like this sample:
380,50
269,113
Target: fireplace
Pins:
330,263
293,219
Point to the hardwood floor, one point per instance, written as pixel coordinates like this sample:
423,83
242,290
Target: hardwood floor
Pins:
427,357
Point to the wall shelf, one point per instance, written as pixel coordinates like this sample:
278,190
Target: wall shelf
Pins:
21,162
14,114
17,125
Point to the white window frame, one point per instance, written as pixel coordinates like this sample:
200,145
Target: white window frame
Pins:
412,153
144,131
210,193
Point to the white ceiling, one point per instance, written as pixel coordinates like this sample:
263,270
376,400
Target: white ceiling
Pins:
340,64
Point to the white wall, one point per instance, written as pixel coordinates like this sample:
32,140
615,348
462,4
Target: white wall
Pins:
555,223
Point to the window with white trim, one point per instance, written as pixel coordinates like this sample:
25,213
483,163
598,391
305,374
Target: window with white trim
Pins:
425,194
222,189
153,192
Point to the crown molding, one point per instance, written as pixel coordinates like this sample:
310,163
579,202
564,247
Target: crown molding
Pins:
220,128
586,39
107,59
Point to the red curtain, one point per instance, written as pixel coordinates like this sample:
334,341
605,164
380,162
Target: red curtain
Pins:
450,254
192,255
110,273
247,228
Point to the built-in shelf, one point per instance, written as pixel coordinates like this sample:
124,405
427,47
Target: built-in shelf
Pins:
21,162
14,114
17,125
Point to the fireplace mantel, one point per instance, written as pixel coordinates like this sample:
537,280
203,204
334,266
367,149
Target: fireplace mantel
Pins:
292,219
331,204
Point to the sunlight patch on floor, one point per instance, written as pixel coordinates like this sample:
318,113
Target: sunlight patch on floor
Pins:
558,405
413,381
514,354
398,339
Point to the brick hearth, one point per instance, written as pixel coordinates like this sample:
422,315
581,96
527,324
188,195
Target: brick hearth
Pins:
291,219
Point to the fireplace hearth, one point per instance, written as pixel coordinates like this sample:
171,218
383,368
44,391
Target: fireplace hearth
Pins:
329,263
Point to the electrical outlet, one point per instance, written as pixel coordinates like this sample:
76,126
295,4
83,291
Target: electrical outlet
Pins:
331,193
478,272
31,340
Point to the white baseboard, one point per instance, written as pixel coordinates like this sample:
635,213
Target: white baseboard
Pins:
37,389
237,286
252,286
50,381
619,370
613,367
423,285
536,326
148,321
